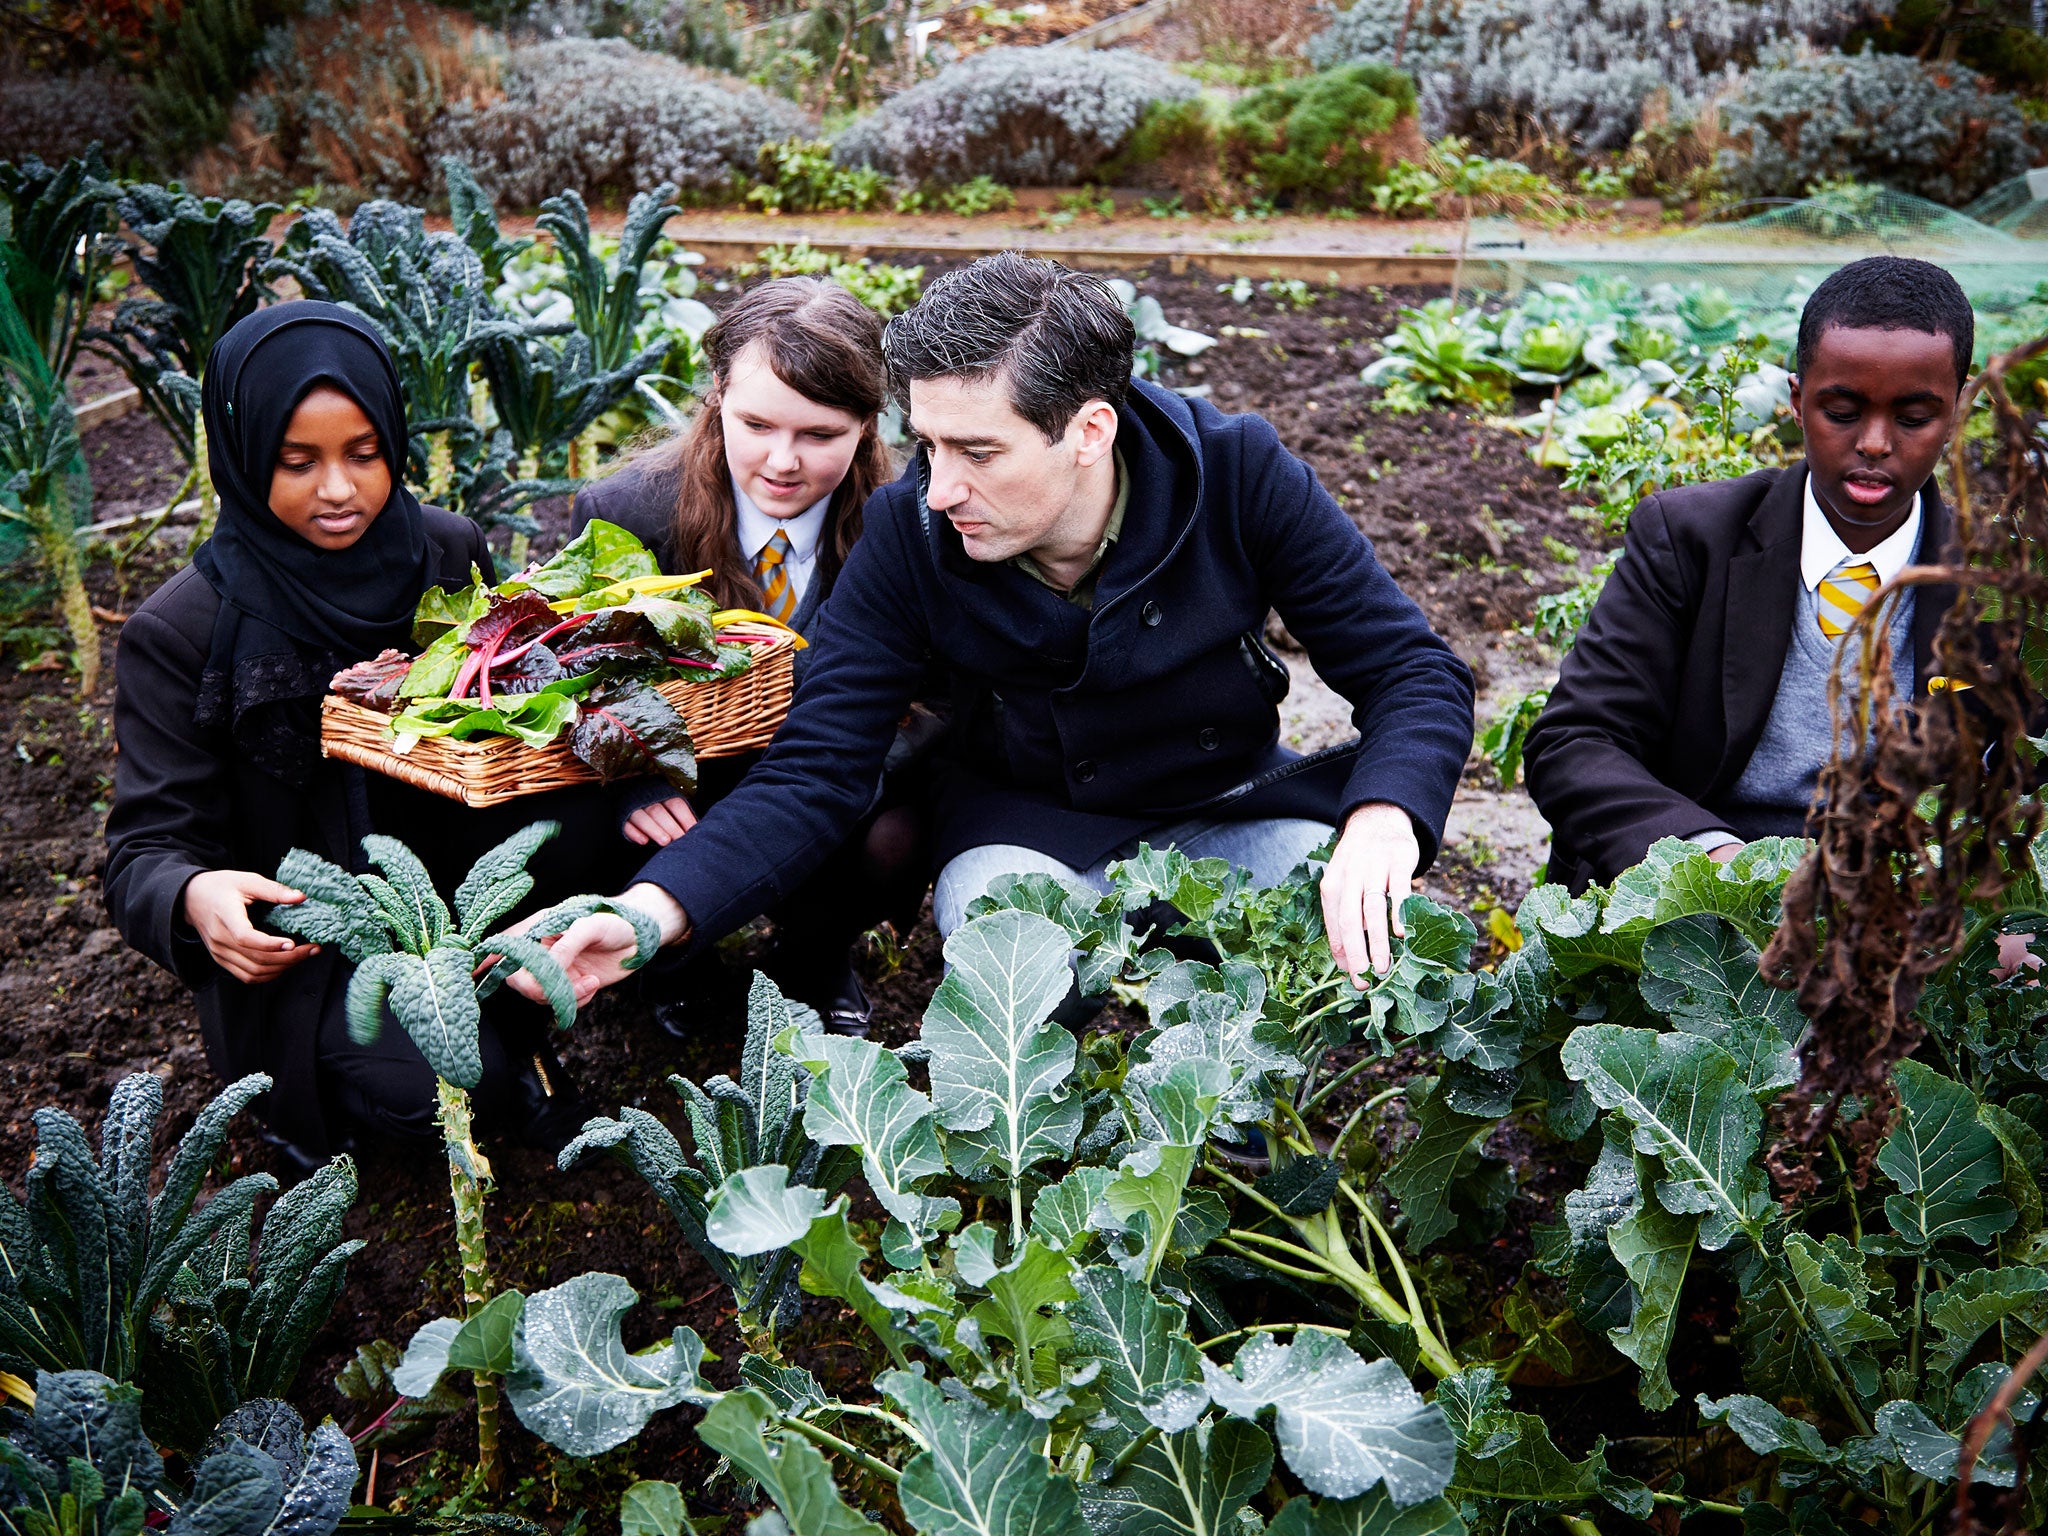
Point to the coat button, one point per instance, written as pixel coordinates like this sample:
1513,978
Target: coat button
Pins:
1084,770
1151,615
1210,738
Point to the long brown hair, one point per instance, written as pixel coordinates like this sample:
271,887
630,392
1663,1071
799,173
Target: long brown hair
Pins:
827,346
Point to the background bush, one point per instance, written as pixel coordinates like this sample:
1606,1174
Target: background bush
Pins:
1177,145
1576,71
54,116
1027,117
346,99
604,117
1322,138
1927,128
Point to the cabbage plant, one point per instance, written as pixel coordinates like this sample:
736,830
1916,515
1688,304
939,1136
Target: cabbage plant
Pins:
429,968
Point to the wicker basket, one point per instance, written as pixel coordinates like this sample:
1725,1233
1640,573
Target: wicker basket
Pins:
726,718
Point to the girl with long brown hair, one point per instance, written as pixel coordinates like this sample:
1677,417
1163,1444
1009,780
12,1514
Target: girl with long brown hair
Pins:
764,489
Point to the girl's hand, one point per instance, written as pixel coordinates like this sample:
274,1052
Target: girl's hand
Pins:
217,906
662,822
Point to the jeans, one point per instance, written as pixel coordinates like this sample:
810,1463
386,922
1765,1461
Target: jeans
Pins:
1267,849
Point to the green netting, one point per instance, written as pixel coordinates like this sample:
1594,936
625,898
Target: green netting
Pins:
1768,256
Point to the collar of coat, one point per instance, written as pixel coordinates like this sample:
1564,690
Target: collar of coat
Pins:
1156,437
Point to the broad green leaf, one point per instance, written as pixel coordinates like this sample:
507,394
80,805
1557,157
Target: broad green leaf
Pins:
1979,1300
832,1267
406,891
1677,879
1422,1175
1595,1282
1143,1199
1944,1160
1371,1514
652,1509
1570,932
2023,1152
1766,1430
1703,973
337,911
1685,1100
1343,1424
1928,1449
756,1211
1036,1278
1216,1014
426,1357
791,1388
498,882
1191,1483
1059,1213
999,1066
1653,1247
1835,1288
484,1342
1510,1456
985,1473
860,1096
1150,1376
576,1386
791,1471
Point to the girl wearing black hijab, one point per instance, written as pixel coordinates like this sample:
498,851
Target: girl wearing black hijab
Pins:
318,560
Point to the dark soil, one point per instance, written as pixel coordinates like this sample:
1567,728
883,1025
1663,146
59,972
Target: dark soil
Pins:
1455,511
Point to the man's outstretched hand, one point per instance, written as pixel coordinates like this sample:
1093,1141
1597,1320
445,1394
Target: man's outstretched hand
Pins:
597,951
1371,873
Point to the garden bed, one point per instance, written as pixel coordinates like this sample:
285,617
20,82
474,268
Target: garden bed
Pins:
1456,510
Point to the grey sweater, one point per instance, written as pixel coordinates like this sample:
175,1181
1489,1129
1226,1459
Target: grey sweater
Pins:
1776,789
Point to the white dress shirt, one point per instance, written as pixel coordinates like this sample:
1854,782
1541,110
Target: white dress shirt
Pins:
756,528
1821,549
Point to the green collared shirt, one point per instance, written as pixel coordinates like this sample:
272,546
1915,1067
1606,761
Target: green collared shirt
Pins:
1082,593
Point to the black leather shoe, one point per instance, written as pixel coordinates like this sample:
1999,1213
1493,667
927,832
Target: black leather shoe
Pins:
847,1010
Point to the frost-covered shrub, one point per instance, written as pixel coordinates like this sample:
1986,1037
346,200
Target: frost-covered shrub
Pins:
1575,70
1026,116
54,117
1932,129
1322,137
602,115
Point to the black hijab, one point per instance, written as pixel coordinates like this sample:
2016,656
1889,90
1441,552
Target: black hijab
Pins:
292,614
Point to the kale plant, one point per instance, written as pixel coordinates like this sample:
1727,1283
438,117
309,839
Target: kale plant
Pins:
98,1275
418,961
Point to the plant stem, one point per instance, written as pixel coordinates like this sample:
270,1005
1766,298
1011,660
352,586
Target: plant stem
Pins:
846,1448
60,549
1358,1066
1125,1456
902,1426
1224,1338
209,500
469,1179
1709,1505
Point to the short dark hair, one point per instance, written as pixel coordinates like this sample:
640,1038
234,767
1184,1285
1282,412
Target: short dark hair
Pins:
1890,293
1059,338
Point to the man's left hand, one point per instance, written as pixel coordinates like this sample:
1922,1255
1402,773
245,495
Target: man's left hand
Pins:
1371,873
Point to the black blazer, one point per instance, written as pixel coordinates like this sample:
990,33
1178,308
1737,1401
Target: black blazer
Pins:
184,804
1075,730
1662,700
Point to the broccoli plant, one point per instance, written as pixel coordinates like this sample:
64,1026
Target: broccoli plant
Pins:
430,968
100,1276
201,258
766,1119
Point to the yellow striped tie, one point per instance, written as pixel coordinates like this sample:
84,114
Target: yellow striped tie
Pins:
778,596
1842,595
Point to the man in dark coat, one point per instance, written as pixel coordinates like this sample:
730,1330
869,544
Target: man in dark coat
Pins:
1093,559
1694,703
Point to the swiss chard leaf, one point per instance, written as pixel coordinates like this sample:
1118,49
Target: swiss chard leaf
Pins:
625,727
601,554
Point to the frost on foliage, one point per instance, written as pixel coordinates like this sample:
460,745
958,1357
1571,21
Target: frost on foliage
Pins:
575,1385
1582,70
1026,116
1936,130
1343,1424
756,1211
593,115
